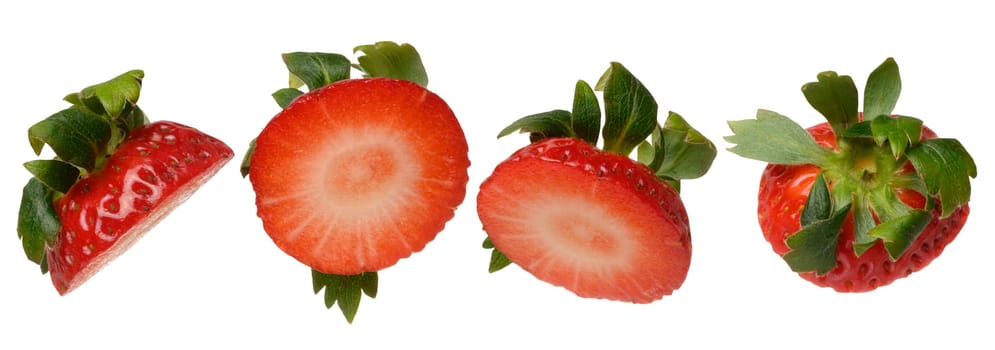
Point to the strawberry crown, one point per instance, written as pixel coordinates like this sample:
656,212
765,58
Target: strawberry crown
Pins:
861,176
673,151
82,137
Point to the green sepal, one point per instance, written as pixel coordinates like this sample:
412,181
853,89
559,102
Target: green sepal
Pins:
498,259
285,96
110,97
316,69
819,204
884,85
899,233
900,132
686,153
346,290
835,97
863,223
586,117
630,110
37,222
776,139
55,174
946,168
247,159
813,248
77,136
390,60
555,123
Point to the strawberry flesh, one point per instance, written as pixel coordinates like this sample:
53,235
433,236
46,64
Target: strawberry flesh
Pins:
356,175
156,168
593,222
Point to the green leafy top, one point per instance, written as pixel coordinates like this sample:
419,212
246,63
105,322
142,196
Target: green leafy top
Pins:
674,150
861,175
82,137
318,69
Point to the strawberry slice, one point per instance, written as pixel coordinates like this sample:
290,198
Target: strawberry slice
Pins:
153,171
356,175
115,176
593,221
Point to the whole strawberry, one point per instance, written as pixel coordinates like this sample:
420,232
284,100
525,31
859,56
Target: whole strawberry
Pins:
591,220
864,199
115,176
356,174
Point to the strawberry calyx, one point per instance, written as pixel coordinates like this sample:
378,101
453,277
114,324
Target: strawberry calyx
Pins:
875,155
82,136
674,151
314,70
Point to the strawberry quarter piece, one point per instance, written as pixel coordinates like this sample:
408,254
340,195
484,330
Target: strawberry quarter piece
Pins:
863,199
114,177
356,174
593,220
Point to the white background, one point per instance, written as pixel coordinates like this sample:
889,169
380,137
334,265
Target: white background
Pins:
209,277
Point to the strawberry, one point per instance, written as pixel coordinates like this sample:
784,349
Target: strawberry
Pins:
356,174
594,221
864,199
115,177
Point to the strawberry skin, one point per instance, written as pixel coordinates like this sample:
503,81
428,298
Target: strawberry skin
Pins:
156,168
356,175
782,196
596,223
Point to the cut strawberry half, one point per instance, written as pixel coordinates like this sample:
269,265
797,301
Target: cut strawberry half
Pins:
115,176
356,175
593,221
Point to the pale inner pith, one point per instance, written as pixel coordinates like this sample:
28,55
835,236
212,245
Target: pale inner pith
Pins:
595,237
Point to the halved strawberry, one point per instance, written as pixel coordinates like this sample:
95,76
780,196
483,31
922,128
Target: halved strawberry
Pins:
595,221
356,174
115,177
863,200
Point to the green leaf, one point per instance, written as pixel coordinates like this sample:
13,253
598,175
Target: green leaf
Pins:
76,135
586,122
317,69
882,90
859,130
863,223
37,222
899,233
555,123
687,154
498,259
247,159
112,96
285,96
630,110
646,151
773,138
55,174
345,290
131,118
946,167
390,60
819,204
813,248
835,97
900,132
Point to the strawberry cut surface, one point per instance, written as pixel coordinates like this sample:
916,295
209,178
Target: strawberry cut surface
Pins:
154,170
356,175
595,223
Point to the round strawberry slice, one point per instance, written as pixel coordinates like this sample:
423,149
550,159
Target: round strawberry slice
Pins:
596,223
356,175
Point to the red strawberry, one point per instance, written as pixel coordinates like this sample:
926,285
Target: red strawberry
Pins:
595,222
356,175
154,170
114,178
858,204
